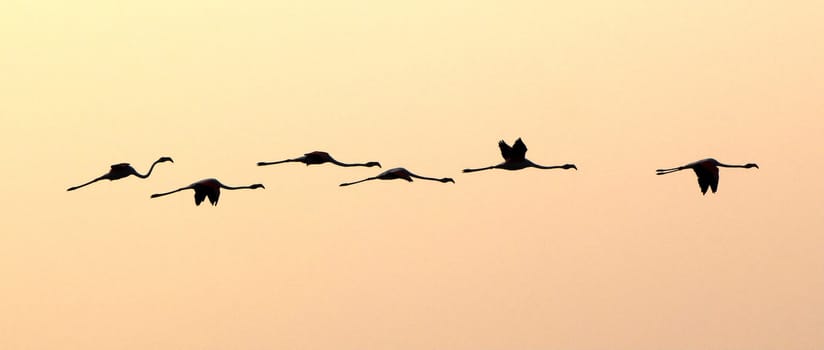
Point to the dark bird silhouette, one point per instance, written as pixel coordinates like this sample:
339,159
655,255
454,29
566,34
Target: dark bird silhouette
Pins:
208,188
515,159
119,171
707,172
399,173
318,157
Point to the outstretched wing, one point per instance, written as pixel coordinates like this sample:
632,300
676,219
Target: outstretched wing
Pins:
707,178
506,151
213,196
199,197
519,149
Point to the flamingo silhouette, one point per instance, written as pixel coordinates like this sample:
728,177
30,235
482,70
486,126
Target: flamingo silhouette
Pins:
207,188
318,157
707,172
119,171
515,159
399,173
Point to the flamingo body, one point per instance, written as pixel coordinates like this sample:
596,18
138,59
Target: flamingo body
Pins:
207,188
399,173
515,159
707,172
319,157
121,170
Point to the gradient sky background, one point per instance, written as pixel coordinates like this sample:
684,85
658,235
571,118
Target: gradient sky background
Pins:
608,257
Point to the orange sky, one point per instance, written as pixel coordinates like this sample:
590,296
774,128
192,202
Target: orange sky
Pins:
606,257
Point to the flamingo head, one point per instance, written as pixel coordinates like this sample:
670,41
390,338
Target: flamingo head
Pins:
751,165
570,166
371,164
447,179
165,159
256,186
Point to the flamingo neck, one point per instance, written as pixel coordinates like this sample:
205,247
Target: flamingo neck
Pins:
546,167
346,164
237,188
147,173
732,165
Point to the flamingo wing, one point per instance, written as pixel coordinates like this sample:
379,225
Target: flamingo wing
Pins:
396,173
199,197
121,166
319,154
316,157
213,196
707,178
519,149
506,151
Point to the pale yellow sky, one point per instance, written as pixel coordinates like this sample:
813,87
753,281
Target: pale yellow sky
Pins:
606,257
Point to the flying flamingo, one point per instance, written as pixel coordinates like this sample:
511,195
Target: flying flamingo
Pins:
399,173
515,159
208,188
318,157
119,171
707,171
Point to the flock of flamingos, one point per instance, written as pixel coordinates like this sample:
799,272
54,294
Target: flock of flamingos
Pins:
514,159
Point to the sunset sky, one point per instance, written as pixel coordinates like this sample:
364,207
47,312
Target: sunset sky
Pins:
607,257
